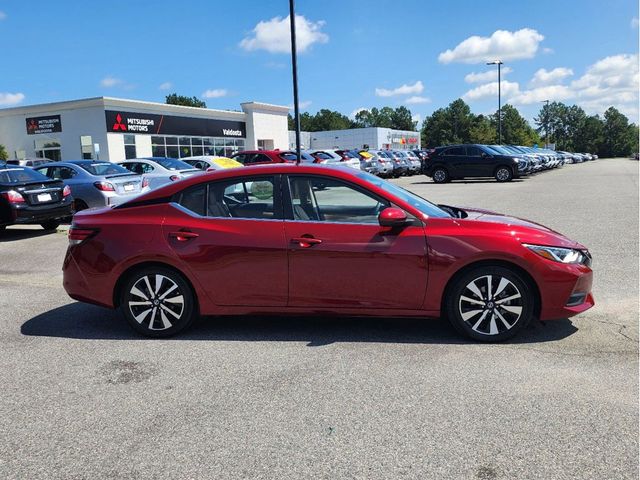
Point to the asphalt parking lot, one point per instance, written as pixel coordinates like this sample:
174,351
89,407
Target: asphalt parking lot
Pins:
84,398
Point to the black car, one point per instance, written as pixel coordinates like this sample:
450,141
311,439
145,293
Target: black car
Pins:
461,161
28,197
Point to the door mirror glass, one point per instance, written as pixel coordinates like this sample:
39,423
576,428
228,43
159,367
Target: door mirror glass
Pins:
392,217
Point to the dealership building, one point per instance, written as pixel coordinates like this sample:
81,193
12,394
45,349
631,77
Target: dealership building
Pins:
374,138
114,129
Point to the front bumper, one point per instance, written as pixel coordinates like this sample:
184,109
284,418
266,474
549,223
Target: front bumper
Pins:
565,290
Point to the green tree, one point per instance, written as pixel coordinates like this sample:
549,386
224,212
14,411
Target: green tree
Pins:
327,119
175,99
483,131
3,153
620,138
589,135
515,128
445,126
401,119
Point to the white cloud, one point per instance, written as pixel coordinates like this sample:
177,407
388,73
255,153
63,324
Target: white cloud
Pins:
550,77
540,94
416,117
215,93
8,99
547,50
165,86
502,45
404,89
634,22
274,35
488,76
490,90
2,15
302,105
416,99
110,81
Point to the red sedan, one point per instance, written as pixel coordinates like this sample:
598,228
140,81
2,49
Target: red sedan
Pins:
319,240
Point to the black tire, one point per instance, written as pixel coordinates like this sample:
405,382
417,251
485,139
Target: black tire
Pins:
50,224
472,312
440,175
165,315
503,174
79,205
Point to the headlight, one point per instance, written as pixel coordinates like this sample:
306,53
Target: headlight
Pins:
559,254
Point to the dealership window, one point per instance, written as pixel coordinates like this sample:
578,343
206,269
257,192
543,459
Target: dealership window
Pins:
181,147
49,149
129,146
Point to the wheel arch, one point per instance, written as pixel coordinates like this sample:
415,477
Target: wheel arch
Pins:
494,263
117,289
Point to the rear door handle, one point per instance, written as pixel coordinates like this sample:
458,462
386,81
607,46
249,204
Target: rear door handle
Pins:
306,242
183,236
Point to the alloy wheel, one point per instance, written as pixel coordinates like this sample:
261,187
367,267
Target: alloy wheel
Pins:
156,302
439,176
503,174
490,304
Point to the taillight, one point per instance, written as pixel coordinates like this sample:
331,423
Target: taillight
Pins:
77,235
174,178
104,186
66,191
145,182
13,197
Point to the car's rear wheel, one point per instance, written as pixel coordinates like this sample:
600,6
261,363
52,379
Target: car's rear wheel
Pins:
79,205
157,302
440,175
503,174
50,224
490,304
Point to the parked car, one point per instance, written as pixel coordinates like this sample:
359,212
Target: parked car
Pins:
350,158
384,162
325,157
462,161
265,157
28,197
29,162
416,164
96,184
211,163
400,165
368,162
266,239
159,170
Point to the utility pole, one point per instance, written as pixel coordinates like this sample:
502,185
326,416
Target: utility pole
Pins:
499,63
294,67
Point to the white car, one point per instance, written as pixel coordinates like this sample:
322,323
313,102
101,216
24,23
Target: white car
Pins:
330,156
159,170
211,163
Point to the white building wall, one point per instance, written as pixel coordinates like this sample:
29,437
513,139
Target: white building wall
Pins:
115,151
266,122
373,137
143,146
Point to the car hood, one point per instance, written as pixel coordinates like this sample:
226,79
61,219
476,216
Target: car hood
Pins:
525,230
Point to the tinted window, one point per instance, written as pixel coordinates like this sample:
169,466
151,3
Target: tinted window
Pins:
63,173
473,152
456,151
103,168
193,199
245,198
18,175
329,200
172,163
323,156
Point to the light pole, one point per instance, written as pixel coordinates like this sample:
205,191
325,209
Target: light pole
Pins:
294,67
546,124
498,62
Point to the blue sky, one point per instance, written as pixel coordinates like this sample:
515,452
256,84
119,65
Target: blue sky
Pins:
354,54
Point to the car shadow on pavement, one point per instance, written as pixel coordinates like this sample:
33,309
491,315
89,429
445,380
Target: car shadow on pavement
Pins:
465,181
88,322
16,234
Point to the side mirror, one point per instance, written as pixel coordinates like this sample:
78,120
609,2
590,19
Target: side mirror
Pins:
392,217
484,155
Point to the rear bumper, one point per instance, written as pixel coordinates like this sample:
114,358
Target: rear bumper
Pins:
28,214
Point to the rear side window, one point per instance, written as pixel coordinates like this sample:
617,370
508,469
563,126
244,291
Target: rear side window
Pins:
455,151
193,199
244,198
473,152
323,156
103,168
19,175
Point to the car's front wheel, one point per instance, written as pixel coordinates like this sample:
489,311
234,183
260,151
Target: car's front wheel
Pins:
50,224
503,174
157,302
490,304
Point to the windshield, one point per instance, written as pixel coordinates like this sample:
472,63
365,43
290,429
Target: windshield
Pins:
411,198
21,175
105,168
172,164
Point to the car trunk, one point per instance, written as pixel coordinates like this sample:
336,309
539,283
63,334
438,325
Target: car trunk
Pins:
126,184
41,193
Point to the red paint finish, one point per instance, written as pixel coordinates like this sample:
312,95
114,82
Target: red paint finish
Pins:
240,266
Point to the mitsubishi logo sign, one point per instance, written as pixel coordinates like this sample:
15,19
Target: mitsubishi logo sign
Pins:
119,125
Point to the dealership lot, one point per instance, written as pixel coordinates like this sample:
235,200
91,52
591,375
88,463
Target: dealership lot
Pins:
83,397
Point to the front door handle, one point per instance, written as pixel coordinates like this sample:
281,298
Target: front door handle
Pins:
183,236
306,242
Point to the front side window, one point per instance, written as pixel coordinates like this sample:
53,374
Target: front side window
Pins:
329,200
64,173
473,152
252,197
